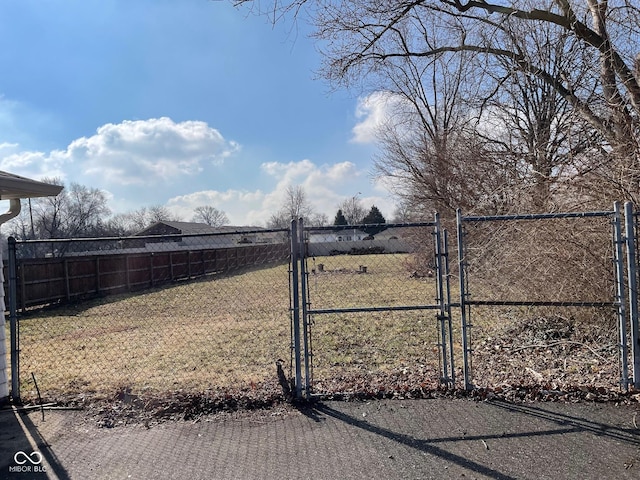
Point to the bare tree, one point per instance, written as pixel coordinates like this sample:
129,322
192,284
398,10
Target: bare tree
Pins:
136,220
529,122
361,39
430,146
353,210
48,213
160,213
295,205
20,227
278,220
210,215
404,213
365,38
121,225
86,211
129,223
318,220
464,175
78,211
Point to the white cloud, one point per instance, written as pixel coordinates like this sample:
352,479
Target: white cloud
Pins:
141,163
141,152
326,187
242,207
30,164
288,172
324,184
149,151
372,112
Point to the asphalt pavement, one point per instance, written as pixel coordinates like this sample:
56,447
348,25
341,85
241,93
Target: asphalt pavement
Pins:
404,439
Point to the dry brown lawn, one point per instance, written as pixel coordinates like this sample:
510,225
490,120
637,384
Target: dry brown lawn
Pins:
226,332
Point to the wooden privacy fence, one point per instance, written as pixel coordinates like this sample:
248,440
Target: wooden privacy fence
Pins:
50,280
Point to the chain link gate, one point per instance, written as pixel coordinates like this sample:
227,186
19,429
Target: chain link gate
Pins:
552,266
358,298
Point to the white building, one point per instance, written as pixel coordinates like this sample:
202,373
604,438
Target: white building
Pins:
14,188
342,235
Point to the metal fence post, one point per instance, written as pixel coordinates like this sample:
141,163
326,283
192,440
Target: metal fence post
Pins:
13,322
463,304
447,292
442,313
620,296
304,308
633,291
295,306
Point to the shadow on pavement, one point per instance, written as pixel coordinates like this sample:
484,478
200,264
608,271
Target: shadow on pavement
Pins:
23,451
571,423
546,423
426,446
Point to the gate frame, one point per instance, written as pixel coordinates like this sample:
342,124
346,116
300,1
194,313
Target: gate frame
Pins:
14,325
632,282
619,303
295,307
302,313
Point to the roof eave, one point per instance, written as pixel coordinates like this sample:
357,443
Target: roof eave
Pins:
14,187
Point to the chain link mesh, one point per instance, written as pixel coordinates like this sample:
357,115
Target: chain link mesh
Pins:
559,274
153,315
384,347
212,313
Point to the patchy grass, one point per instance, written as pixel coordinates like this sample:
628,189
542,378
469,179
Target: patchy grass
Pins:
219,332
222,335
226,332
386,282
348,344
372,342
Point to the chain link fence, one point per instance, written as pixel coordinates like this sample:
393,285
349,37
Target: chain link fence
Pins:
152,316
541,300
371,300
371,310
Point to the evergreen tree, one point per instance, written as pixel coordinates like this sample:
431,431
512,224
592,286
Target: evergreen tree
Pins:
374,217
340,219
352,210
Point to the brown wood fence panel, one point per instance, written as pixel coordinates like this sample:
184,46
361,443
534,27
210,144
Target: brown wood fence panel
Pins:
161,264
111,274
81,275
180,262
52,280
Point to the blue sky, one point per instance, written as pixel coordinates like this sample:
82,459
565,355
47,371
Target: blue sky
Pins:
179,103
